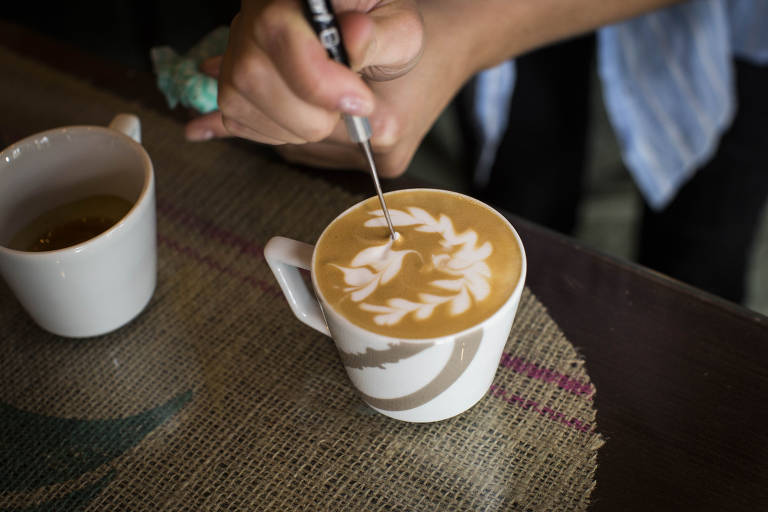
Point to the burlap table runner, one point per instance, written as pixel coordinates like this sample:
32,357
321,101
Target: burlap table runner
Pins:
217,398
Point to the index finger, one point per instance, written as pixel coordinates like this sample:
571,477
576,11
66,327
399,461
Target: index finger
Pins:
290,42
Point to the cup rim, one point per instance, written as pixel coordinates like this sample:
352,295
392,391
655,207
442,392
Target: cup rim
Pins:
515,293
147,185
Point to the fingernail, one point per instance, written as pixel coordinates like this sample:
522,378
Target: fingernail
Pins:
355,106
200,136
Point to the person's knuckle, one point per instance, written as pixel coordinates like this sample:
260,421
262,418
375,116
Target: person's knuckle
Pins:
390,133
251,77
311,90
239,77
269,24
231,125
411,27
227,100
320,129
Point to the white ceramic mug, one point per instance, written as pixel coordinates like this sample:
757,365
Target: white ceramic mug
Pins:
418,380
96,286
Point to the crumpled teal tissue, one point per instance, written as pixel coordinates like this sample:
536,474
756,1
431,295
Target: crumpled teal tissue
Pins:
179,77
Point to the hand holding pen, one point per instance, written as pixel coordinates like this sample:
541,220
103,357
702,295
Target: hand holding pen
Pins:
278,86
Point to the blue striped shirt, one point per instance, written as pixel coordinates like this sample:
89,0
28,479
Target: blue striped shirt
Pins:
668,87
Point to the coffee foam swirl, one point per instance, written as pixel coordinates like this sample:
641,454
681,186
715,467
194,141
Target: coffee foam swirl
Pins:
455,262
377,265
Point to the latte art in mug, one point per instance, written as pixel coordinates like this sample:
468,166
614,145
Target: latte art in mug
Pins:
454,264
462,260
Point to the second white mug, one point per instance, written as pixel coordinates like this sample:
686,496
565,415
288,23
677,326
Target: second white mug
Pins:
96,286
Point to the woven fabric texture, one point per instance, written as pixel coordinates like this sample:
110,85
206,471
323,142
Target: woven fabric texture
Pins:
217,398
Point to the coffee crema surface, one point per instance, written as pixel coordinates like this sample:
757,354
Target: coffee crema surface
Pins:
454,264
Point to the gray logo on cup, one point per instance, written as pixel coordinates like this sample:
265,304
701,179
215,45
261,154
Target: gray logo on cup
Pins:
464,350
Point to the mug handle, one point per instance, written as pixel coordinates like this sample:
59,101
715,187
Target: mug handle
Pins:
285,257
128,124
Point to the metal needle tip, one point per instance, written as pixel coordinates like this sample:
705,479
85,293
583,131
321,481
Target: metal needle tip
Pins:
366,147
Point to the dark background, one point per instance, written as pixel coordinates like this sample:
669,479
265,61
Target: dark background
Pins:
123,30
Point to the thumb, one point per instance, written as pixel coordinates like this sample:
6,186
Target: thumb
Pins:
385,42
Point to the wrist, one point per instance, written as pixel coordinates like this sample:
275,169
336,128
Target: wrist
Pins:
467,34
449,42
484,33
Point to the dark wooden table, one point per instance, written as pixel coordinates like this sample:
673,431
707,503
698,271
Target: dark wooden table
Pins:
681,375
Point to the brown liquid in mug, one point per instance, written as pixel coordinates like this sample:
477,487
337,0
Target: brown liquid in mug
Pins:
70,224
455,263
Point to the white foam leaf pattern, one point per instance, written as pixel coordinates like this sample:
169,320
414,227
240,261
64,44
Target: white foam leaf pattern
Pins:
449,284
379,264
391,271
399,218
397,309
421,215
425,311
385,262
373,256
467,255
362,292
477,281
433,299
387,315
356,276
376,309
461,302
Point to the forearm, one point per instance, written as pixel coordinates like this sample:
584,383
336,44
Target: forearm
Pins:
487,32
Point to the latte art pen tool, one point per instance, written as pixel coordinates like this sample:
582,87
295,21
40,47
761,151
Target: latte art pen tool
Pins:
323,21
